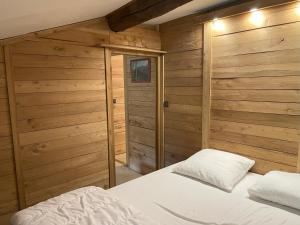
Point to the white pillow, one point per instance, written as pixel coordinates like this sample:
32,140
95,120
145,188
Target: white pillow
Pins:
278,187
215,167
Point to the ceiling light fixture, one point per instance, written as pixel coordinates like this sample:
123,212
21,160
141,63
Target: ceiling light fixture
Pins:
218,25
257,17
298,8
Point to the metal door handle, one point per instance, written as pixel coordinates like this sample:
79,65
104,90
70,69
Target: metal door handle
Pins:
166,104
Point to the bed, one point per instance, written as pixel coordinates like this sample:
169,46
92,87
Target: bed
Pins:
167,198
178,200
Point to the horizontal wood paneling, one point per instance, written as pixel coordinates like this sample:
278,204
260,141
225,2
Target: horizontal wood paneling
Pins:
273,38
284,96
57,86
275,120
117,72
269,70
52,134
41,74
139,36
264,162
263,107
98,33
8,190
23,60
182,39
141,120
53,98
255,89
258,83
273,16
60,98
54,49
60,119
46,111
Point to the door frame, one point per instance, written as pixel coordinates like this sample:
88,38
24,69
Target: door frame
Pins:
159,132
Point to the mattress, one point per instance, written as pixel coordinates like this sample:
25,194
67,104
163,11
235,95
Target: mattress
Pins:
173,199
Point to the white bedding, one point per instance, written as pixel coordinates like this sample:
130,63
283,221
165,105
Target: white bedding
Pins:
173,199
84,206
163,198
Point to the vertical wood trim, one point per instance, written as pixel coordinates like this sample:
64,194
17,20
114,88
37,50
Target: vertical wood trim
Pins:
298,163
158,119
206,96
13,119
126,109
110,118
160,112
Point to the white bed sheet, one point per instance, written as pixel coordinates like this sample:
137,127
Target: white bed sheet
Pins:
173,199
84,206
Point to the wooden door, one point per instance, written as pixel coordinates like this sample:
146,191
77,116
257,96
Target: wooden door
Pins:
141,117
58,108
117,72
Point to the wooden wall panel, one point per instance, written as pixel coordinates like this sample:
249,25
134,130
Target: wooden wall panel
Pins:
98,32
61,123
141,105
255,88
58,95
8,190
182,39
117,65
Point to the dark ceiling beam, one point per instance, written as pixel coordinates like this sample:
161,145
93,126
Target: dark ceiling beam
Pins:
140,11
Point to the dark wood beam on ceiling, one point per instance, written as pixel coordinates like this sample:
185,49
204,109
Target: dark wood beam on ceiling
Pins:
140,11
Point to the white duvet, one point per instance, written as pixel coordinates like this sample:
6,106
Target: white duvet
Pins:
163,196
173,199
84,206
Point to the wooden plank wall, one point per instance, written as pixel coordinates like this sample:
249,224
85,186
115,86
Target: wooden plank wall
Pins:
98,32
8,190
182,38
61,124
141,105
59,92
117,65
256,88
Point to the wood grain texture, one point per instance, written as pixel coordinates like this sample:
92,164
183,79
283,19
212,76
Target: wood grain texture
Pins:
141,119
57,93
160,122
206,96
136,12
117,65
60,120
9,202
183,40
255,83
98,33
278,15
110,118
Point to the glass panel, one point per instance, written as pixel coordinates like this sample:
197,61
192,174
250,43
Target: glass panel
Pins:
140,70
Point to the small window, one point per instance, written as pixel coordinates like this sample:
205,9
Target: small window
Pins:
140,70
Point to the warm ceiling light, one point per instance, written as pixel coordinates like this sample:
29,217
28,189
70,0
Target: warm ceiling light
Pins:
298,8
257,17
218,25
